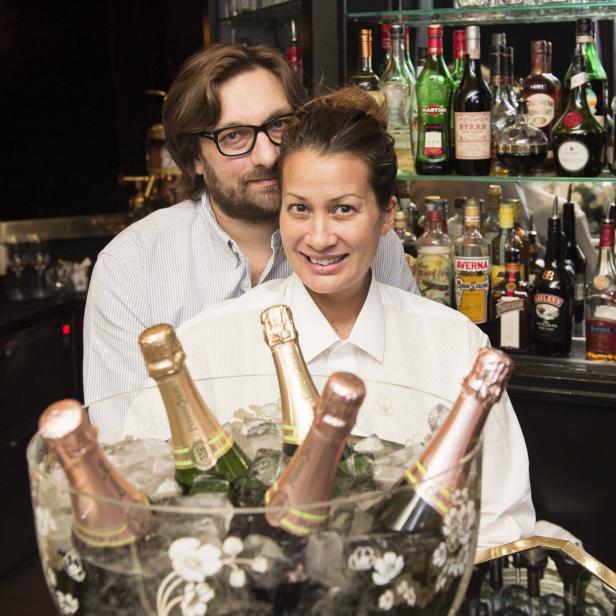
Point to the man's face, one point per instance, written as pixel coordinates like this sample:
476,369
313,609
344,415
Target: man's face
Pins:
246,187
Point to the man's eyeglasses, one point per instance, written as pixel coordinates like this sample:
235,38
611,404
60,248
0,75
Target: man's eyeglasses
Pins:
238,140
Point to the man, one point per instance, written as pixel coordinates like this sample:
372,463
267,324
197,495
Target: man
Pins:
224,119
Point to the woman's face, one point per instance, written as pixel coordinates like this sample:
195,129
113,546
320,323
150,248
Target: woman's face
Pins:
330,222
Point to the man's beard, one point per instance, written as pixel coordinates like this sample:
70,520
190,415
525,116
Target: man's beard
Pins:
241,202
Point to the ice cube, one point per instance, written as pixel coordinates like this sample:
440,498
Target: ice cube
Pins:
267,465
268,566
370,444
437,416
324,559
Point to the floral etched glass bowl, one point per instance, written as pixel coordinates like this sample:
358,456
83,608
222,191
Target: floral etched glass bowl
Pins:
203,556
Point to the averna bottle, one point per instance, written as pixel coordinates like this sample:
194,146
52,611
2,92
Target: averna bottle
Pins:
575,260
601,301
111,520
553,297
206,458
472,268
309,477
578,137
510,308
365,78
434,88
473,114
435,260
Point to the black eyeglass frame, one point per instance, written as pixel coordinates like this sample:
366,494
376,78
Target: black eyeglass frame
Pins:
262,128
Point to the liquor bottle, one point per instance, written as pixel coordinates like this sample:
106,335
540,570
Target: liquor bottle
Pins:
509,72
472,268
206,458
535,262
434,88
491,226
435,260
459,48
365,78
455,225
422,505
422,55
597,88
473,114
601,301
540,92
550,75
310,475
400,96
578,138
473,604
521,234
112,529
385,49
575,260
534,561
495,582
575,579
510,307
402,228
407,51
294,54
553,297
505,240
503,112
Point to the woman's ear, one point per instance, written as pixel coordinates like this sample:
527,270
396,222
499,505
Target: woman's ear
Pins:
389,214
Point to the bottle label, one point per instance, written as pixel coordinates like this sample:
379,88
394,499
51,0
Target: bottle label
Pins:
433,141
377,95
497,273
573,155
508,310
472,281
579,79
434,271
578,288
549,324
397,96
540,110
473,133
573,119
600,336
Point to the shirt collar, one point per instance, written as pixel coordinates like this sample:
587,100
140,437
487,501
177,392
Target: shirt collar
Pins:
317,335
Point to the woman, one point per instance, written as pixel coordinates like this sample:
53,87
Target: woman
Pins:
338,170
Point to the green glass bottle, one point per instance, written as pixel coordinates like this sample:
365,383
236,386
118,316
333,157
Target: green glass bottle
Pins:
385,50
206,458
433,95
459,48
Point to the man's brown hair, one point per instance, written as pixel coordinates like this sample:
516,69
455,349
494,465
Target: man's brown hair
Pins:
193,102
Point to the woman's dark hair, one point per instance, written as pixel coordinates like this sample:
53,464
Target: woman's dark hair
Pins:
348,121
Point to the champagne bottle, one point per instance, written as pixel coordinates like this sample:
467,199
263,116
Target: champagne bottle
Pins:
553,297
365,78
601,301
111,523
417,504
473,114
309,477
575,260
206,458
434,88
578,137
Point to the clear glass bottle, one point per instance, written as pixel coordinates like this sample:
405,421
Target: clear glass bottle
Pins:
402,228
434,88
400,96
472,268
505,240
435,260
365,78
509,72
407,52
601,301
491,227
422,55
385,50
455,224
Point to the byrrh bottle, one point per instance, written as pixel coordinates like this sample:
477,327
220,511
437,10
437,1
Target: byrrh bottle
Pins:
575,260
435,260
434,88
472,268
510,308
473,114
309,477
578,138
399,91
601,301
365,78
206,458
111,524
553,297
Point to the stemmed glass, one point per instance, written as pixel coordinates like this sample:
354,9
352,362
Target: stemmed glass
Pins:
39,256
16,263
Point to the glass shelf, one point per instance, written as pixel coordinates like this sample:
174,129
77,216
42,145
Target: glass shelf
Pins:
283,11
495,15
500,179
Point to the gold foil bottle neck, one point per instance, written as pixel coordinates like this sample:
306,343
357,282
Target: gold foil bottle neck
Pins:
161,350
488,377
278,326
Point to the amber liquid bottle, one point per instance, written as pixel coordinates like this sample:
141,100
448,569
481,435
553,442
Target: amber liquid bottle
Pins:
111,522
206,458
553,297
575,261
